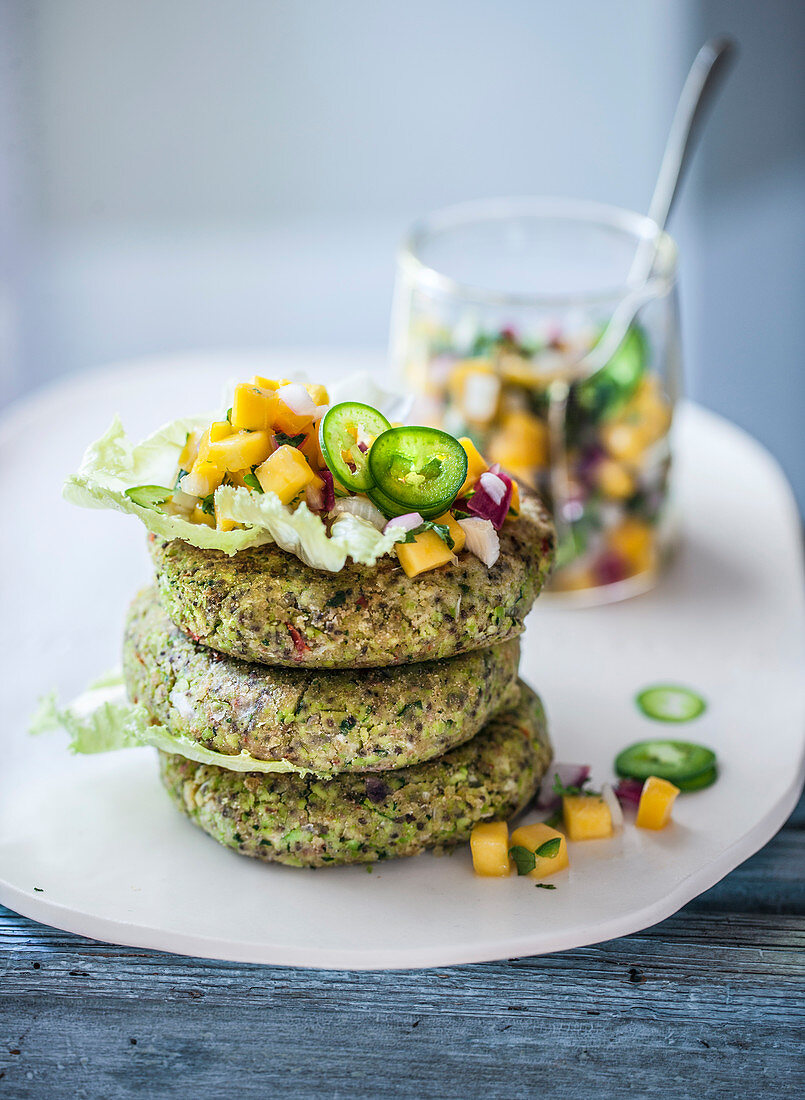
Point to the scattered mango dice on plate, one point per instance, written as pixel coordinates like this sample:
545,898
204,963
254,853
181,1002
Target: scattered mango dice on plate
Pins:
489,843
586,817
535,837
656,802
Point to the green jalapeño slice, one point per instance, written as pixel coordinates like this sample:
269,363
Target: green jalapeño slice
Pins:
670,703
418,469
688,765
346,435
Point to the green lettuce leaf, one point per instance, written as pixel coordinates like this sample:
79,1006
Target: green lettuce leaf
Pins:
102,720
113,464
303,533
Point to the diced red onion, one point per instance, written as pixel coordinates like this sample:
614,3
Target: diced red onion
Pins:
629,790
615,811
570,775
361,507
494,485
609,568
482,539
363,448
314,498
328,490
298,400
482,504
407,522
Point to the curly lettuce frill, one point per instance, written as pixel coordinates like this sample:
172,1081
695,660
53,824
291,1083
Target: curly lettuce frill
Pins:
113,464
103,720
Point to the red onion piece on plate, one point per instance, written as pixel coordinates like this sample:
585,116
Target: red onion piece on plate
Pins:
629,790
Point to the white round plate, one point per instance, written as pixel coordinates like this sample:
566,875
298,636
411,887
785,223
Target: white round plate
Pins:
92,844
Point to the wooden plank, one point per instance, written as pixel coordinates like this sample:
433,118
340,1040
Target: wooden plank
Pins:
710,1002
710,1017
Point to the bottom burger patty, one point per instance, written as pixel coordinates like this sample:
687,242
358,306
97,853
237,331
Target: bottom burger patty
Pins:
304,821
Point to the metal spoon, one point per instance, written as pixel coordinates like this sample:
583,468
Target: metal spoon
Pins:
706,73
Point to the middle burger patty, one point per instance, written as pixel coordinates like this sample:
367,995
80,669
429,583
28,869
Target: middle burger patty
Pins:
325,721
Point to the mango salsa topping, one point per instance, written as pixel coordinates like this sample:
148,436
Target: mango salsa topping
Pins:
438,494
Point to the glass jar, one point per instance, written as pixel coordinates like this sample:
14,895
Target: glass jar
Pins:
495,304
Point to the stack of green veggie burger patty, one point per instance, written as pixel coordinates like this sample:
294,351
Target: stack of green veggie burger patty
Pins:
391,705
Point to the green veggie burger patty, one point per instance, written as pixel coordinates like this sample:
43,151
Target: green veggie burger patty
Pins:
264,604
325,721
308,822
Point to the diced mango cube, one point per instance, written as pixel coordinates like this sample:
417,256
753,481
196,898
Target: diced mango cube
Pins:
656,802
240,451
521,443
573,579
289,422
223,523
489,843
202,480
319,394
220,429
634,541
533,837
427,551
626,442
269,383
198,515
286,472
514,504
476,465
311,449
586,817
614,480
456,532
190,450
252,408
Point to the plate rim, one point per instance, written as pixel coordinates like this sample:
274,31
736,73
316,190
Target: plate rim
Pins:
142,935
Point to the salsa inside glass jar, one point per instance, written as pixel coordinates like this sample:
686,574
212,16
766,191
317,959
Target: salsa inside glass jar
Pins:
503,368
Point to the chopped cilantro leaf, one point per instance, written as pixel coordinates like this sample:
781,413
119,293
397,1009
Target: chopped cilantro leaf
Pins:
544,886
559,789
251,480
229,414
182,473
524,860
441,529
289,440
208,504
550,849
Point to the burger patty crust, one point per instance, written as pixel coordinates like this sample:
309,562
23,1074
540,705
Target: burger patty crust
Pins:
308,822
264,604
325,721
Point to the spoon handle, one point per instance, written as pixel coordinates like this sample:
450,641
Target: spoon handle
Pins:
708,69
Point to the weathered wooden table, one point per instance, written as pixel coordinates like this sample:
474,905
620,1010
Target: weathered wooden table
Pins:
708,1004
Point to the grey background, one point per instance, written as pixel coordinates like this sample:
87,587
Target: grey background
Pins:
234,173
